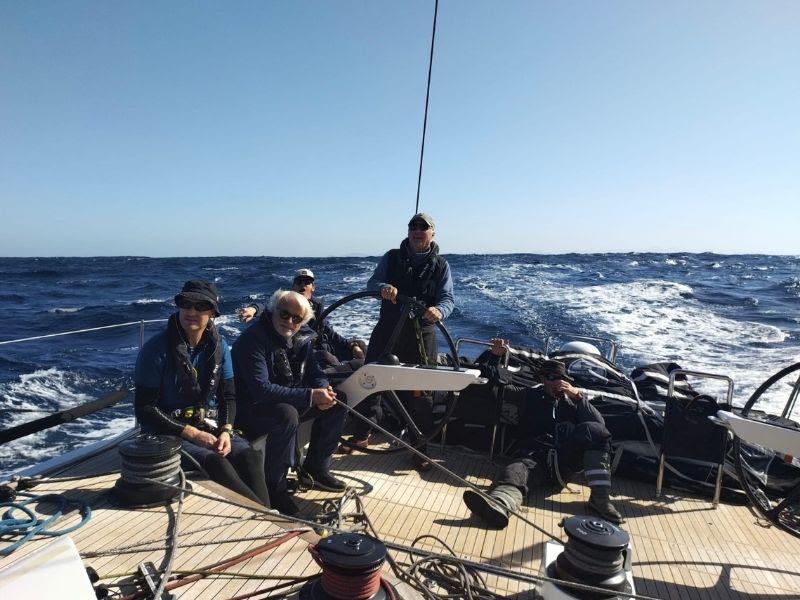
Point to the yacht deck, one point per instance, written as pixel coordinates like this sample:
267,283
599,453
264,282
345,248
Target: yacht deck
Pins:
683,548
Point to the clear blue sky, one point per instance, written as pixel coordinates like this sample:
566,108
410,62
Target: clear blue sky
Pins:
292,128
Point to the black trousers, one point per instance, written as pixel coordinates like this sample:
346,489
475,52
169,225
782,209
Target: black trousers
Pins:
280,422
241,470
407,349
572,442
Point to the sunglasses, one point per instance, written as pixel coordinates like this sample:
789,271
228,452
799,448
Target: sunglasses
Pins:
418,226
303,281
287,316
553,377
201,306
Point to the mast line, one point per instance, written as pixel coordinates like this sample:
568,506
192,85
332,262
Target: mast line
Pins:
427,98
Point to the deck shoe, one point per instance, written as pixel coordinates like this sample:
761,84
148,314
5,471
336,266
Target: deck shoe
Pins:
358,442
420,464
283,503
322,480
485,510
600,505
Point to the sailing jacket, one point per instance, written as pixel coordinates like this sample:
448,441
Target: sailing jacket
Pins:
269,371
329,339
158,395
425,276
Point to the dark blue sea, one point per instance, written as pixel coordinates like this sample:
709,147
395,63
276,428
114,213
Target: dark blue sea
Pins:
735,315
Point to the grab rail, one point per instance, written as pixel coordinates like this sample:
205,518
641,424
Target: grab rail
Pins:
700,375
612,351
141,325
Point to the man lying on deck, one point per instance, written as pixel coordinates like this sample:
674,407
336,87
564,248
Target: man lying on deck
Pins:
581,440
280,383
184,379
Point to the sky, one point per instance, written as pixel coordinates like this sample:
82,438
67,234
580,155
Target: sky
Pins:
197,128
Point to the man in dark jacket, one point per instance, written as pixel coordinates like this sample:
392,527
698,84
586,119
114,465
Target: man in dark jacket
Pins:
332,346
561,413
279,384
417,270
185,388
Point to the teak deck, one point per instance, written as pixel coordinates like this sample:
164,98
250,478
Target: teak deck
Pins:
683,549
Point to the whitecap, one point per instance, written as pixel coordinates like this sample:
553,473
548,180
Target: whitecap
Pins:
663,318
229,326
150,301
62,311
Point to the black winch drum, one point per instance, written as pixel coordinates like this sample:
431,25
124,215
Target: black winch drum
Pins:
593,555
155,457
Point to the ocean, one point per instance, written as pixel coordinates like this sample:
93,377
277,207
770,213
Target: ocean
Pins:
737,315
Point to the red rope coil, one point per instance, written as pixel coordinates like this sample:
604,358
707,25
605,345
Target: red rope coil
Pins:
358,586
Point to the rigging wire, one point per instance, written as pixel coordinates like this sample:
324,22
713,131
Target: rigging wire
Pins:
427,99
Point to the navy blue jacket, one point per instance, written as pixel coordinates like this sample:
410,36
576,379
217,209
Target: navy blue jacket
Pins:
257,375
330,340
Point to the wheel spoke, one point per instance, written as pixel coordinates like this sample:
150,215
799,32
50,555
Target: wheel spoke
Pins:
415,435
400,408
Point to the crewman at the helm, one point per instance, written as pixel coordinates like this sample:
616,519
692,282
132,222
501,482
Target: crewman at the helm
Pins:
581,441
416,269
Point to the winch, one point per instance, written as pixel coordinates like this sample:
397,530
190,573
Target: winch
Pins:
597,553
153,457
351,570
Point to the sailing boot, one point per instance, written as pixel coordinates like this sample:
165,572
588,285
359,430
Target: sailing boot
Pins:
508,497
596,466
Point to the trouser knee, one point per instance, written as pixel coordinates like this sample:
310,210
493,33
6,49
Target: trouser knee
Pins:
285,415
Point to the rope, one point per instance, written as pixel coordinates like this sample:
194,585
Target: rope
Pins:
216,568
50,335
427,99
447,471
32,525
174,545
483,567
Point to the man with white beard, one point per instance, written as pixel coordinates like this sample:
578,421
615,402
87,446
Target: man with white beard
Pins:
279,384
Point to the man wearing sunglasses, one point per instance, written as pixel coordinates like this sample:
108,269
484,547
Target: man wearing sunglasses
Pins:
415,269
334,346
555,410
185,387
280,384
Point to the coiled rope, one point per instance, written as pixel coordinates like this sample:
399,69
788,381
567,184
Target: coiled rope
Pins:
31,525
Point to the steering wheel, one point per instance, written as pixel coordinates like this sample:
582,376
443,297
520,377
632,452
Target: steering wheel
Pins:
410,431
781,508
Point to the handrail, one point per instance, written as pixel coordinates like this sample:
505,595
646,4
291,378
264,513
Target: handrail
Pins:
49,335
612,352
701,375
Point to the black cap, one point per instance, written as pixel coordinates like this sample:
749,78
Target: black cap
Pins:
200,291
554,367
